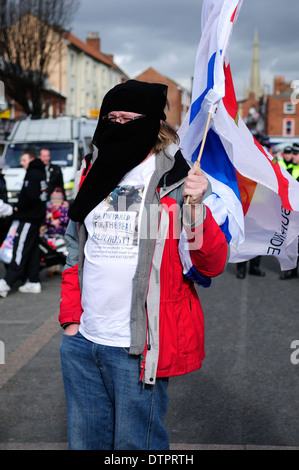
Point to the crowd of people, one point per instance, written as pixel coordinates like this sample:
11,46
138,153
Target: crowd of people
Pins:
131,315
51,218
288,158
41,209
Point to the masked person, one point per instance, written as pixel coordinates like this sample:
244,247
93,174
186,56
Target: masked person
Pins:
129,307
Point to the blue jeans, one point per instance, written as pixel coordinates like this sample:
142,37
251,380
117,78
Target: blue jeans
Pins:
108,408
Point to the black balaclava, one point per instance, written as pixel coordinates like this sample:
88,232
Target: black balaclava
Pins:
121,146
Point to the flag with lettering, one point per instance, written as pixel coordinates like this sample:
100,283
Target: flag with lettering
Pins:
254,200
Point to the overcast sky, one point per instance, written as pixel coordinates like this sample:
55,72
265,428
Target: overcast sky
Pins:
164,34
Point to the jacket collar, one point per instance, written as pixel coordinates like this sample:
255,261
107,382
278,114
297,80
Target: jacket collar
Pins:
176,169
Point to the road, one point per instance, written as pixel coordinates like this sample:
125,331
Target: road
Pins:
244,397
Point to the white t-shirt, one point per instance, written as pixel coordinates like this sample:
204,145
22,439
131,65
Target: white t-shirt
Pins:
111,254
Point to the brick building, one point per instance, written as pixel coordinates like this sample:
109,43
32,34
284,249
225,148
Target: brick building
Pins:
78,76
178,97
282,114
275,115
54,105
272,115
84,74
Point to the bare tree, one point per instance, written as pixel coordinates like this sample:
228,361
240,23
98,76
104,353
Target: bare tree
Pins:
31,34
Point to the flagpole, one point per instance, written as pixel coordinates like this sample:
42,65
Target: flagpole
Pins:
197,163
213,108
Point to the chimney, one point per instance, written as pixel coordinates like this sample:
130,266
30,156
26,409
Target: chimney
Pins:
94,41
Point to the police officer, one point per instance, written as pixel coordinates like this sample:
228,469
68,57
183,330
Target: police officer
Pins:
295,159
292,273
287,159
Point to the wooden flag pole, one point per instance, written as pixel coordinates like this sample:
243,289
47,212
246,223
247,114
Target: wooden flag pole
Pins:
197,163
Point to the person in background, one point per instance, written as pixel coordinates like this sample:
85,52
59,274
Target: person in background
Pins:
30,211
3,189
6,218
294,171
55,224
254,268
287,159
56,214
5,209
54,175
295,159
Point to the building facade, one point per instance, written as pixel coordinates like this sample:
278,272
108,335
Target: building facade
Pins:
83,74
276,115
282,112
78,76
179,98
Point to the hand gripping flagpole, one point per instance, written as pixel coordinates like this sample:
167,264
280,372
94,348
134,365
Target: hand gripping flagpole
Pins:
212,111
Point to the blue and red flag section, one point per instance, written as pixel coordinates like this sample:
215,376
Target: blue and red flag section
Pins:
254,201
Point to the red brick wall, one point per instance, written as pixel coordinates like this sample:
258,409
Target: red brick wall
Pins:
174,95
246,105
280,85
276,117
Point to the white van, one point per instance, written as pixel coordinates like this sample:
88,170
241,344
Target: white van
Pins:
68,139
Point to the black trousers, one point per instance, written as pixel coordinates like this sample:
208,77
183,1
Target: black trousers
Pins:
25,261
5,223
253,263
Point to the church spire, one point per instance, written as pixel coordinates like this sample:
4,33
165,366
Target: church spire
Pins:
255,83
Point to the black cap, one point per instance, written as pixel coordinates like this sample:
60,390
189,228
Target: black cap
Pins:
295,148
287,149
138,97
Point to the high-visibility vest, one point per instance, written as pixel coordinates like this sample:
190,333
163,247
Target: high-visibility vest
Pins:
286,165
295,172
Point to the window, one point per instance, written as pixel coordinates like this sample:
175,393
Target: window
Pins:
289,108
72,66
288,127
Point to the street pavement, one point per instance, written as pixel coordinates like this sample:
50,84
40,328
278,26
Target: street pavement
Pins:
245,397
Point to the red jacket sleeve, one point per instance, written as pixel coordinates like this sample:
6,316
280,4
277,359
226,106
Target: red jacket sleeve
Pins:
70,302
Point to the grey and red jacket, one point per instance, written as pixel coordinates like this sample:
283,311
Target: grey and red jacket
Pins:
167,324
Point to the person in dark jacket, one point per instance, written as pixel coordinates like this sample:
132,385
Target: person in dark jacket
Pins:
54,176
3,189
30,212
5,221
